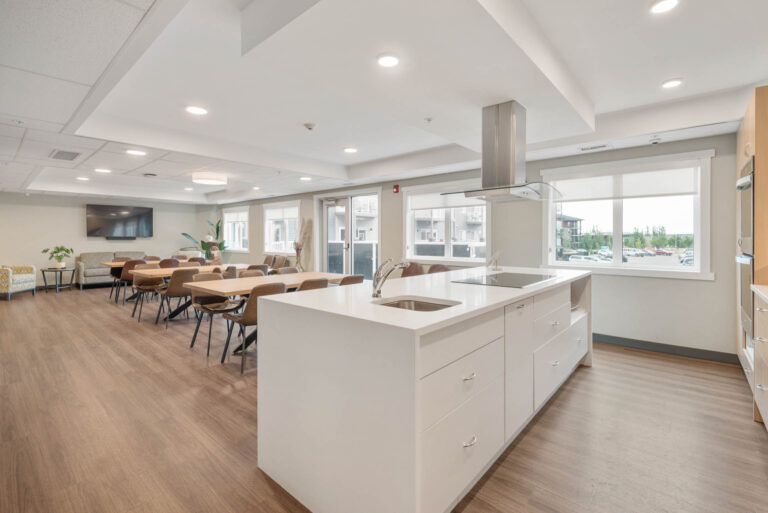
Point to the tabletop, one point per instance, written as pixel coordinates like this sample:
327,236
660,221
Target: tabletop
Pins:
240,286
166,272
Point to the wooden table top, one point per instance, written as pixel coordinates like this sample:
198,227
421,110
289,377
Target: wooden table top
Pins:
168,271
112,264
240,286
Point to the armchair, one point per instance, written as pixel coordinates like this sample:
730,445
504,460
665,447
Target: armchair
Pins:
17,278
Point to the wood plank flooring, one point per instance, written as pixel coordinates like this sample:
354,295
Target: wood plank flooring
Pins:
101,414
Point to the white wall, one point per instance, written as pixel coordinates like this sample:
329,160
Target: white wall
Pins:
31,223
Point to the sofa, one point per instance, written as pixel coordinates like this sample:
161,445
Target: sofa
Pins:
88,268
17,278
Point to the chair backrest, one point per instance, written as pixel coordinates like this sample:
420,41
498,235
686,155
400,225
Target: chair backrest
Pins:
351,280
201,298
316,283
251,273
251,311
139,280
413,269
128,267
264,268
230,272
269,260
179,277
437,268
151,258
280,261
287,270
200,260
168,263
189,263
116,272
121,259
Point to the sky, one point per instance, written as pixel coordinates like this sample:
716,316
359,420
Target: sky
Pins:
675,213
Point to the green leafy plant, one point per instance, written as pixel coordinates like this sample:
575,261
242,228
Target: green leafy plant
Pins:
58,253
214,230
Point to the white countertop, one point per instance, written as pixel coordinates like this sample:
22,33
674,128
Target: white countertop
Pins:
355,300
762,291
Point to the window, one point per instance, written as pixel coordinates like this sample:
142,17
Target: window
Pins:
442,227
236,228
281,227
644,216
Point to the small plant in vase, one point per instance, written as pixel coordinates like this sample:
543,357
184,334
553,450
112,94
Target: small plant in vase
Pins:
213,244
59,253
304,235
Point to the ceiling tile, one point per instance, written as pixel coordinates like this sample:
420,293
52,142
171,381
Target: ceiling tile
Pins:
12,179
164,168
64,139
115,161
187,158
11,131
22,122
8,146
152,153
28,95
37,152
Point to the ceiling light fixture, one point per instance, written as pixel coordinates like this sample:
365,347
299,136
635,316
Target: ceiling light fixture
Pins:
189,188
255,188
83,178
305,178
663,6
197,111
350,150
138,153
672,83
206,178
102,170
388,60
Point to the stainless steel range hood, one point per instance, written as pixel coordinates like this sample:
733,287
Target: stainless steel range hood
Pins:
503,158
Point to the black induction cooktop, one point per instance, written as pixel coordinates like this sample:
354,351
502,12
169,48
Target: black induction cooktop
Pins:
512,280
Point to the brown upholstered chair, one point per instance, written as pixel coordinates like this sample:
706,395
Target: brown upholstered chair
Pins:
230,272
351,280
115,273
209,304
168,263
280,261
251,273
413,269
152,258
269,260
287,270
317,283
199,260
144,286
249,316
126,278
264,268
437,268
175,289
189,263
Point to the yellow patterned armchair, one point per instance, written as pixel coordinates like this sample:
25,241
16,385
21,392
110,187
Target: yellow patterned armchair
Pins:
17,278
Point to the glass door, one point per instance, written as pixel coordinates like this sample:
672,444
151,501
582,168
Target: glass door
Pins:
336,236
364,233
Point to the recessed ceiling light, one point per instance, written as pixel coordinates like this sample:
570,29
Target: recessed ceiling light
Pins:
83,178
388,60
256,188
102,170
350,150
206,178
672,83
197,111
663,6
125,212
189,188
305,178
138,153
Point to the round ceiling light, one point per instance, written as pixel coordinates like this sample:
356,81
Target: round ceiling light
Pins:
305,178
663,6
256,188
138,153
206,178
672,83
387,60
197,111
350,150
102,170
189,188
83,178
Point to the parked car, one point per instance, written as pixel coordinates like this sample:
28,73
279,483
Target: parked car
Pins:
585,258
606,253
634,252
663,252
648,252
688,253
687,260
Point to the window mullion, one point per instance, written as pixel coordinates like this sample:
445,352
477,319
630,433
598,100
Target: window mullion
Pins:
618,223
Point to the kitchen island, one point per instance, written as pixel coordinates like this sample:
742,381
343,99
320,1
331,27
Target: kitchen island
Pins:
365,407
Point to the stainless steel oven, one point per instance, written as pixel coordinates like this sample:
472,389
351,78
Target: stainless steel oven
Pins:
746,275
745,186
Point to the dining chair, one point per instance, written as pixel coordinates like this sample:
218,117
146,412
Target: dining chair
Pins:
189,263
413,269
199,260
287,270
144,286
316,283
269,260
251,273
437,268
280,261
264,268
126,278
210,304
351,280
175,289
152,258
115,273
168,263
249,316
230,272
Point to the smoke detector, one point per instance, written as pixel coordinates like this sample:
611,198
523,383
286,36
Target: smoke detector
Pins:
309,126
63,155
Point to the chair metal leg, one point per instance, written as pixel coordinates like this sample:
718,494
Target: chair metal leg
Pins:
242,354
111,289
210,326
125,291
197,328
159,309
142,305
167,317
135,304
226,344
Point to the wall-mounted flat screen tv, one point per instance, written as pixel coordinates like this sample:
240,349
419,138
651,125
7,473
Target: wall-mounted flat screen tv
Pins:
117,222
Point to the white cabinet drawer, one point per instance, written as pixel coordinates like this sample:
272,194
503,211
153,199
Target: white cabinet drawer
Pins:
447,388
761,377
554,360
519,344
552,323
551,300
456,449
447,345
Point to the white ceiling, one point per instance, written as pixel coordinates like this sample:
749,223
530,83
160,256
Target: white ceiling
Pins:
123,70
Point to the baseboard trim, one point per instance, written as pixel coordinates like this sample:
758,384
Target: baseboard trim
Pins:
690,352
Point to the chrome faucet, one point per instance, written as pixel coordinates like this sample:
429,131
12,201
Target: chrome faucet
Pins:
383,272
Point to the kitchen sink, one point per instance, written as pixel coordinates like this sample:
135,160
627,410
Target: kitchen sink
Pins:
417,304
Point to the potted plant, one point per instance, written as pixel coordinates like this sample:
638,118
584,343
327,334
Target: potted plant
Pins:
59,253
214,230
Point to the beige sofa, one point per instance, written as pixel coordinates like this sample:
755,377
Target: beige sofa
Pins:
89,269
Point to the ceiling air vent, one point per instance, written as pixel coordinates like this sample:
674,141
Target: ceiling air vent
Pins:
595,147
63,155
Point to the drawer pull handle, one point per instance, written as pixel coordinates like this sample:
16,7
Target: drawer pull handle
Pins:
520,307
760,309
555,363
555,323
471,442
470,377
761,339
761,387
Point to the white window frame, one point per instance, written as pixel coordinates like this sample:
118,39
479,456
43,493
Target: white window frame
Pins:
701,218
232,210
454,186
279,204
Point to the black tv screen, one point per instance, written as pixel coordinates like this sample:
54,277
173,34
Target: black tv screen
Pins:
118,222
